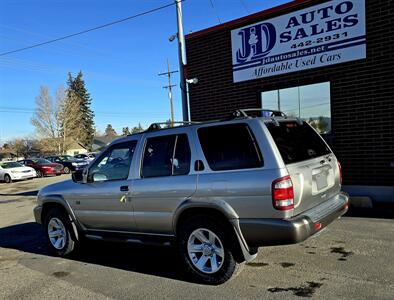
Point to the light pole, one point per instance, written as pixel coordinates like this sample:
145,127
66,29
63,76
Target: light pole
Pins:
182,60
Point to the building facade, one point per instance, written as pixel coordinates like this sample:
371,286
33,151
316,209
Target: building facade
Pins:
328,62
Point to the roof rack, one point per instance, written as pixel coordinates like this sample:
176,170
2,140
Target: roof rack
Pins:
157,126
270,113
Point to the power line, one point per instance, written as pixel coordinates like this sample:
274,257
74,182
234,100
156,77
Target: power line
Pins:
215,10
244,6
89,30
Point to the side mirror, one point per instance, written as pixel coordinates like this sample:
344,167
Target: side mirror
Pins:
99,177
77,176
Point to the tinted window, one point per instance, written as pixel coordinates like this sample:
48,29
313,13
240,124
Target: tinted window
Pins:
297,142
230,147
166,156
114,164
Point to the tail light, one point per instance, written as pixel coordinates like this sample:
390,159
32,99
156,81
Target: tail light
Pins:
340,172
283,193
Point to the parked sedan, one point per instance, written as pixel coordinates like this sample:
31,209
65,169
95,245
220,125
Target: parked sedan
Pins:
70,164
11,170
43,167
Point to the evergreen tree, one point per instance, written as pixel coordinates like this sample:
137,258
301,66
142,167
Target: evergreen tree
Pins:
76,86
137,129
125,131
109,130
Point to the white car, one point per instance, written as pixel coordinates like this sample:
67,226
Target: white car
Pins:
11,170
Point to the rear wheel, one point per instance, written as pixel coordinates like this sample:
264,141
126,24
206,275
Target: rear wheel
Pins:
66,170
205,250
7,178
59,232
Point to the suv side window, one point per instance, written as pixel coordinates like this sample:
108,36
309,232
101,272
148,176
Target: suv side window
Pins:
166,156
114,164
230,147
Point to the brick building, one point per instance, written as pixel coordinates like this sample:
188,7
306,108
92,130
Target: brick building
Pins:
349,99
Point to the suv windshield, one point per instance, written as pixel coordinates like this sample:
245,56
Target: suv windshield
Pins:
297,142
8,165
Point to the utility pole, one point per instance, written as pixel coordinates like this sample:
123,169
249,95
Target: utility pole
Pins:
182,60
169,87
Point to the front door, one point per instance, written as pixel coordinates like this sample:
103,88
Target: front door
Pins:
103,203
166,180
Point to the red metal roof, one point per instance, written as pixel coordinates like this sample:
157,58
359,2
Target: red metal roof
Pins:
246,19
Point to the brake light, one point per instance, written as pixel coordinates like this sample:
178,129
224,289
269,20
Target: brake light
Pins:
340,173
283,193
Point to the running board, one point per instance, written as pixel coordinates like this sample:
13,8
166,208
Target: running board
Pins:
132,239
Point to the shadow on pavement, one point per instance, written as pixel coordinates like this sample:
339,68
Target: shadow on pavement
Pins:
379,211
151,260
30,193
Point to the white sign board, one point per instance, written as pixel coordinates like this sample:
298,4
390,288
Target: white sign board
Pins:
321,35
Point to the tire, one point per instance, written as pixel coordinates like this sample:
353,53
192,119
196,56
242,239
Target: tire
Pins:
7,178
39,174
66,170
58,223
209,263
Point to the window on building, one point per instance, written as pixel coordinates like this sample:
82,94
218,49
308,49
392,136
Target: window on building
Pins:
166,156
230,147
308,102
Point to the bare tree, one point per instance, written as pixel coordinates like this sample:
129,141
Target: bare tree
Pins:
45,116
56,122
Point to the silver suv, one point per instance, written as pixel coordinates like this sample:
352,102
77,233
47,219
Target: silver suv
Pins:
216,190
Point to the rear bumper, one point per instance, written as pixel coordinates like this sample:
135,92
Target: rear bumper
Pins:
269,232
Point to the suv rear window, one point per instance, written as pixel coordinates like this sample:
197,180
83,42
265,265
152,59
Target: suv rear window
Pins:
230,147
297,142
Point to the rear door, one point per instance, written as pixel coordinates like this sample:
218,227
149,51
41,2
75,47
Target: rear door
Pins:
312,166
166,179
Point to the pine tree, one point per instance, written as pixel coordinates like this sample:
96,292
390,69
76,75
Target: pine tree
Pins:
125,131
110,131
77,87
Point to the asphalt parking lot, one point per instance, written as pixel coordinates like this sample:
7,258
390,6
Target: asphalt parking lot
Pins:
352,259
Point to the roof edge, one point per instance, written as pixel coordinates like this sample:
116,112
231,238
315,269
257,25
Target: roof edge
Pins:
245,19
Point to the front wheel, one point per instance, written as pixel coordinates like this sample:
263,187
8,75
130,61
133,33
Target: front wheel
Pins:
39,174
66,170
7,178
59,232
205,250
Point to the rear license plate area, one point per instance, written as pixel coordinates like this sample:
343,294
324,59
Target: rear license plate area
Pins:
321,181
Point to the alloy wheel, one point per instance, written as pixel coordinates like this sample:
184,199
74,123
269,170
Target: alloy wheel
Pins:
205,250
57,233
